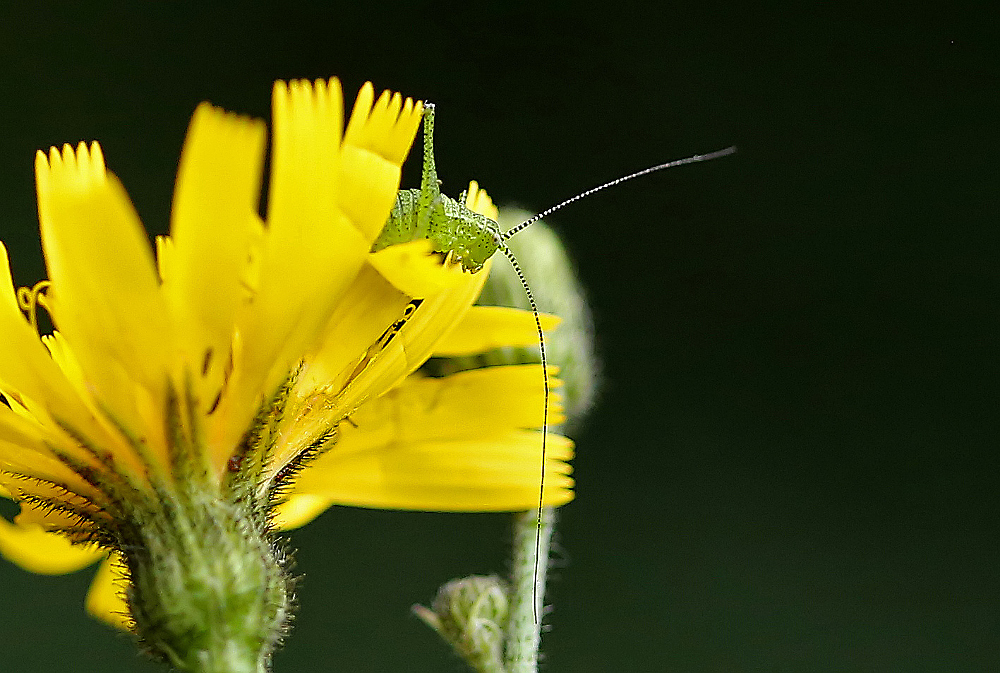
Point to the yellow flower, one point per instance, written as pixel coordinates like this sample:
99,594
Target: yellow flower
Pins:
261,368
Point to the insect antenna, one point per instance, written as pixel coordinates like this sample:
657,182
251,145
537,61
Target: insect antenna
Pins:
545,420
617,181
500,240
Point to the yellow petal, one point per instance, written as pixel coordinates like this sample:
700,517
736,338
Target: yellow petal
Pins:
464,404
415,338
376,142
487,327
445,444
55,521
389,129
367,309
299,510
437,316
215,202
416,270
32,381
311,251
105,295
106,597
24,450
27,373
46,553
323,395
486,474
478,201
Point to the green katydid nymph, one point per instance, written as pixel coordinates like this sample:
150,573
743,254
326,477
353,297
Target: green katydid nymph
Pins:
451,227
462,236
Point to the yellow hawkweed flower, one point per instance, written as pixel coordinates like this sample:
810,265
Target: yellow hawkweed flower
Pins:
251,375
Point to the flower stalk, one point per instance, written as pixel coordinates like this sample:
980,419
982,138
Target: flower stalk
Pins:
529,570
209,591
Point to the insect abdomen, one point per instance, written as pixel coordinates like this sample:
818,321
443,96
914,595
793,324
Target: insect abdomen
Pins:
402,223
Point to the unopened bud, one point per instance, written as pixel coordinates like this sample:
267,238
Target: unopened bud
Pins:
471,614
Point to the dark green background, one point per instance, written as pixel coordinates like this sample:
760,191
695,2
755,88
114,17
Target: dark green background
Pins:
793,463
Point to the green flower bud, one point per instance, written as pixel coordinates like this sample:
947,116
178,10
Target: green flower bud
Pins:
471,614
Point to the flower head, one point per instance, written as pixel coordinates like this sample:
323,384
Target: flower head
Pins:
254,372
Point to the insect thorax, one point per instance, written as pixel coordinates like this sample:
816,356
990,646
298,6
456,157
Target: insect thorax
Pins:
471,238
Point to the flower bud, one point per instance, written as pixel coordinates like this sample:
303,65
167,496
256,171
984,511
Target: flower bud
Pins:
471,614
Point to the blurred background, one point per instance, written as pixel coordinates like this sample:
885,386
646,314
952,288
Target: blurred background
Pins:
791,466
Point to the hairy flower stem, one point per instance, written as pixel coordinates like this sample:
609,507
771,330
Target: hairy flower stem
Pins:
208,589
527,591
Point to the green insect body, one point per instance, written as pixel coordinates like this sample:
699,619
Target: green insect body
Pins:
469,237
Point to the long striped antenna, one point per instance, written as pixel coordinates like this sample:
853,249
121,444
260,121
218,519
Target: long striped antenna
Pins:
638,174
